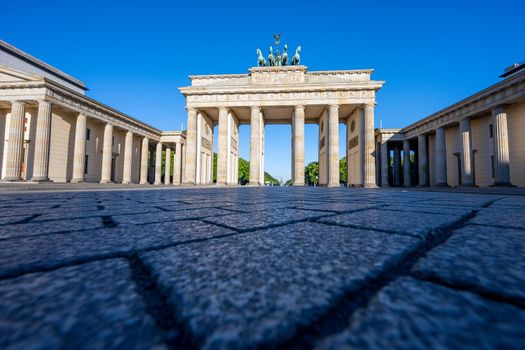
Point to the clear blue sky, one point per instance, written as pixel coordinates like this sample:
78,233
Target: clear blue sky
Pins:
134,55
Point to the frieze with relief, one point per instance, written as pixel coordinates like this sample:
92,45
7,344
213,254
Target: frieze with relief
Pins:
205,143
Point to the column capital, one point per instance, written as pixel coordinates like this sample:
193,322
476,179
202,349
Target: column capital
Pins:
370,104
17,101
255,107
499,109
299,107
334,106
191,109
222,108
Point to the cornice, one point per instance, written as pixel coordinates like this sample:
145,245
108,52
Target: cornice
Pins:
340,72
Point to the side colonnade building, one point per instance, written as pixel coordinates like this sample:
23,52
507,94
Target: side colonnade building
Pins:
54,132
478,141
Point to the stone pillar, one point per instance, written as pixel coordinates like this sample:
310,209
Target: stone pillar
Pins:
191,148
501,147
144,153
298,146
467,166
406,164
167,167
43,136
222,147
158,164
333,144
255,146
422,160
128,158
369,165
15,142
79,153
384,164
177,164
107,154
397,165
441,158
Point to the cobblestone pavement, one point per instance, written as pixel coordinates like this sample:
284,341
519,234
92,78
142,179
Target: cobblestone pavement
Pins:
228,268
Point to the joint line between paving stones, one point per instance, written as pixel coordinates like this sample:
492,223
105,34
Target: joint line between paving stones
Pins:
337,317
175,334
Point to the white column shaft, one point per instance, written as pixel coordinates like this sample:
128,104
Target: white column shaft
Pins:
369,143
422,160
384,164
79,153
467,166
158,164
222,147
144,153
167,167
255,146
298,146
406,164
441,158
177,164
42,140
333,146
128,158
15,142
501,147
191,148
107,154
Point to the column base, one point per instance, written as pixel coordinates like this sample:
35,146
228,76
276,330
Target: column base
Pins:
444,184
298,184
502,184
76,181
370,186
11,179
143,183
333,185
40,179
105,181
126,182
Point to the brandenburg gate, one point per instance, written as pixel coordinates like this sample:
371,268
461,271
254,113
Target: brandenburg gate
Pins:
277,93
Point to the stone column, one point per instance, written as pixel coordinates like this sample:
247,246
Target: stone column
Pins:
255,146
128,158
333,144
406,164
441,158
79,153
158,164
222,147
298,146
191,148
501,147
15,142
167,167
144,153
467,167
397,165
384,164
42,139
177,163
107,154
422,160
369,165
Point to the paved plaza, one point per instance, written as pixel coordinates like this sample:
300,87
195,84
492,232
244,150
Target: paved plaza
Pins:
228,268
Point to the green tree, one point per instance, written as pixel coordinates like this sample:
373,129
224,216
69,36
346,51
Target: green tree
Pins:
343,174
311,174
244,171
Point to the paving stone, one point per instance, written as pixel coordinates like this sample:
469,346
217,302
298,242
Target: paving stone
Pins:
335,206
501,217
263,219
39,228
258,287
91,306
411,314
417,224
39,252
169,216
483,258
13,219
430,209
